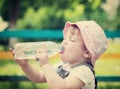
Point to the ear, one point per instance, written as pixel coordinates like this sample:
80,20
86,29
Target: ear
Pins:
87,54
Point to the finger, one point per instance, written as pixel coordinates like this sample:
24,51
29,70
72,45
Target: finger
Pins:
37,56
12,51
38,52
37,59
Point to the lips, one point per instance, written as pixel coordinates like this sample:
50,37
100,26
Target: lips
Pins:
61,49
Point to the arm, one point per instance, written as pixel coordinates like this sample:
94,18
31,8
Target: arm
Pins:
53,79
56,82
32,73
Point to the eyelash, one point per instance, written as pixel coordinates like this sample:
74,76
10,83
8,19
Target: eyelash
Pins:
72,40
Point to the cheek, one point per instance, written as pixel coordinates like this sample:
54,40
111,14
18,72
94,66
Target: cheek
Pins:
70,56
74,49
66,57
71,52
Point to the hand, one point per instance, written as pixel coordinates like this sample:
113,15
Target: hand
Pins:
21,62
42,56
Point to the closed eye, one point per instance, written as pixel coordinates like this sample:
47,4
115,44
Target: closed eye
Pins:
72,40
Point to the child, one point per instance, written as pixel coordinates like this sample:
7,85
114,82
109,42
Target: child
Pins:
83,43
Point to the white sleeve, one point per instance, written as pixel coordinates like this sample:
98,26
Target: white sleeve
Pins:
83,73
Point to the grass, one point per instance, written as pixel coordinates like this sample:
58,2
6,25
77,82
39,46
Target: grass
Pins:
109,85
109,67
9,67
22,85
113,46
103,67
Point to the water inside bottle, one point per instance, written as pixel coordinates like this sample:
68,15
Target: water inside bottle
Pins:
28,50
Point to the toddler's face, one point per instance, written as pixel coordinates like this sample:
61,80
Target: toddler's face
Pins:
73,46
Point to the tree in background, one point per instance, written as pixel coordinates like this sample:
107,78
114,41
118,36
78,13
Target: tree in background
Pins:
112,10
9,10
52,14
55,14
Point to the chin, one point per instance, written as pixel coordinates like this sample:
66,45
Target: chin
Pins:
63,57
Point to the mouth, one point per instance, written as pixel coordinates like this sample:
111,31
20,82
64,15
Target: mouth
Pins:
61,49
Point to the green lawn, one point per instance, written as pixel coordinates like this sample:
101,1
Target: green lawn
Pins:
103,67
109,67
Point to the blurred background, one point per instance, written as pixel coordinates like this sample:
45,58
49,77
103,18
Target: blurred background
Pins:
20,17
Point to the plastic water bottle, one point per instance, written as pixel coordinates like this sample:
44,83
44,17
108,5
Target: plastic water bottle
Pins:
28,50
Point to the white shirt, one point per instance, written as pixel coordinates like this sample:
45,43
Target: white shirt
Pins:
82,72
